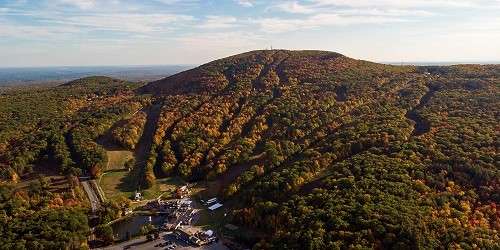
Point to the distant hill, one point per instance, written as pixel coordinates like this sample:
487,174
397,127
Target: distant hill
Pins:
305,149
91,80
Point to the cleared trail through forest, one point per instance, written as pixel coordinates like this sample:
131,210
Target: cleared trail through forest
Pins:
143,148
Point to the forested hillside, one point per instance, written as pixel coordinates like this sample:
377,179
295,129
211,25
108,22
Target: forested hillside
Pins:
321,151
47,139
310,149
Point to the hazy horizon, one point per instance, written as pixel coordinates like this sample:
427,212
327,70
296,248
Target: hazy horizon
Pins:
192,32
416,63
13,76
60,74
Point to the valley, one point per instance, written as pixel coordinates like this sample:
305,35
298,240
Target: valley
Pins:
421,125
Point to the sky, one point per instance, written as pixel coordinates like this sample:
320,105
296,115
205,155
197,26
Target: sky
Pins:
141,32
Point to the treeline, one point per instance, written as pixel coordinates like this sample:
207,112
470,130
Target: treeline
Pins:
60,124
128,134
34,217
82,138
54,129
374,201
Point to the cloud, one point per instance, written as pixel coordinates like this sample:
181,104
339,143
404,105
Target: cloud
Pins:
280,25
31,32
400,3
219,22
403,4
235,39
91,27
385,13
295,8
86,22
126,22
326,6
178,2
82,4
246,3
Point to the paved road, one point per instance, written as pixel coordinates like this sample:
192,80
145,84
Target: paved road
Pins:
94,199
143,244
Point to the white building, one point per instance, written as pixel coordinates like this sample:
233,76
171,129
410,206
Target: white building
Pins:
215,206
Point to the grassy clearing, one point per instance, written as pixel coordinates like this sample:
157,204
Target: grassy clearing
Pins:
112,183
166,185
120,183
117,159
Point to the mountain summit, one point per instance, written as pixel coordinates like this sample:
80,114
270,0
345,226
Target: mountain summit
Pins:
264,70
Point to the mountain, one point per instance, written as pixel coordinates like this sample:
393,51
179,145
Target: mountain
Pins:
306,149
263,70
322,151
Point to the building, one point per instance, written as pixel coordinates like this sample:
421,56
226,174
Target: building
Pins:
215,206
138,196
206,237
210,201
187,237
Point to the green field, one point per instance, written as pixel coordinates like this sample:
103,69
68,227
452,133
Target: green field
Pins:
113,185
117,159
119,183
166,185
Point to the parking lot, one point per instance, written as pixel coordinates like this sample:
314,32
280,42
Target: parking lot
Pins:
143,244
178,231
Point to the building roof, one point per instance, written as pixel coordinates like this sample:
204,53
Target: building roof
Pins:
215,206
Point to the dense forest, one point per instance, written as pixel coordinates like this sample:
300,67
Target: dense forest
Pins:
312,149
48,139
